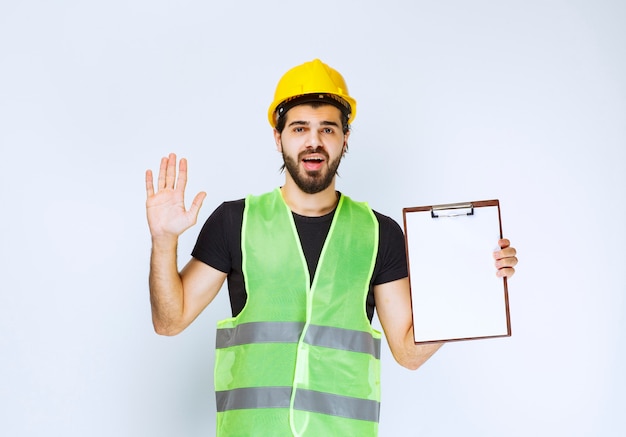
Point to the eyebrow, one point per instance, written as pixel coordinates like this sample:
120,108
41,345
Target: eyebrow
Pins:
306,123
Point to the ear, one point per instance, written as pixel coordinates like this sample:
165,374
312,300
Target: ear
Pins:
345,142
277,139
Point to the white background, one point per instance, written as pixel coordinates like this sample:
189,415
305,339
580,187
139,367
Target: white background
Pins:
524,101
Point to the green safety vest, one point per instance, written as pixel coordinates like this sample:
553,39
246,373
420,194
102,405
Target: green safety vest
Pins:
301,359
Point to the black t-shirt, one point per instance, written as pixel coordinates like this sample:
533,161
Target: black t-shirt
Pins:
219,245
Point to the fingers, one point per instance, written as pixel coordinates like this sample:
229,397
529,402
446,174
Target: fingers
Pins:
162,173
504,253
149,183
170,175
167,174
194,209
182,175
503,263
505,273
505,258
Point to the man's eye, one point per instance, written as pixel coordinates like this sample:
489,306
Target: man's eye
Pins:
298,129
328,130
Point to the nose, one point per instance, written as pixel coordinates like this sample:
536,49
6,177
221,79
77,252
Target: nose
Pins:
314,139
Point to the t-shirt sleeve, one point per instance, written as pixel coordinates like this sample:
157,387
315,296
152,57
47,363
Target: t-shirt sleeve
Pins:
220,231
391,251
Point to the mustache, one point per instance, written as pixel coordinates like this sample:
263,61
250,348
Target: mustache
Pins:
317,150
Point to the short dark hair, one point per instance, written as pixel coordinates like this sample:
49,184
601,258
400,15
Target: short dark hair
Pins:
280,123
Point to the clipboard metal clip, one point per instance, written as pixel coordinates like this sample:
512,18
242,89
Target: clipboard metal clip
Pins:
452,210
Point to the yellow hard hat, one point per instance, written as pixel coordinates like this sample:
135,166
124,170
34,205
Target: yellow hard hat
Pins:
311,81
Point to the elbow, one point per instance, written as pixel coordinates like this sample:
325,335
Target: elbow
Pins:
413,358
166,332
166,329
408,357
409,363
412,366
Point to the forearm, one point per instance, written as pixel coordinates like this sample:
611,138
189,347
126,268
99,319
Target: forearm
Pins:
393,303
166,287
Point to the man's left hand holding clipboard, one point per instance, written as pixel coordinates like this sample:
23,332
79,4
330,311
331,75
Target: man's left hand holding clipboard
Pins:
505,259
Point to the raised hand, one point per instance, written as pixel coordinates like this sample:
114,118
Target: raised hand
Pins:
165,208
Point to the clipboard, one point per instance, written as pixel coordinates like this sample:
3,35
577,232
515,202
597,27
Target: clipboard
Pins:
455,294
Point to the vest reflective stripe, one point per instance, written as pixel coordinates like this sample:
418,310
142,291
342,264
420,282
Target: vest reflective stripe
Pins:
253,397
305,400
259,332
289,332
344,339
336,405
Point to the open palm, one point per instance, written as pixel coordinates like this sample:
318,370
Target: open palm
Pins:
165,208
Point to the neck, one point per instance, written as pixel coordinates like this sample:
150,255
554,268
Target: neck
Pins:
309,205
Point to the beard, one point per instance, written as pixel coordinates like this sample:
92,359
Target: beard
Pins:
312,182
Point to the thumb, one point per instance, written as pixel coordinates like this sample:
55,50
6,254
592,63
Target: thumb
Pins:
194,209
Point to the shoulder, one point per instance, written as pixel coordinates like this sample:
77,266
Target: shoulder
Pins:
226,213
226,218
391,262
386,223
230,206
219,236
388,227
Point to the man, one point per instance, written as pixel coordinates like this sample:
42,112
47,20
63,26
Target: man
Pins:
305,267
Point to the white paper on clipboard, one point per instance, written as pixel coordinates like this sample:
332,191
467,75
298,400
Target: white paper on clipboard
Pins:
455,294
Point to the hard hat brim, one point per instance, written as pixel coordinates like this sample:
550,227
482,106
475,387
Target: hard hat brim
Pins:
315,98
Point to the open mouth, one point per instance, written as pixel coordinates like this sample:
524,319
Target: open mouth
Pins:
313,163
313,160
